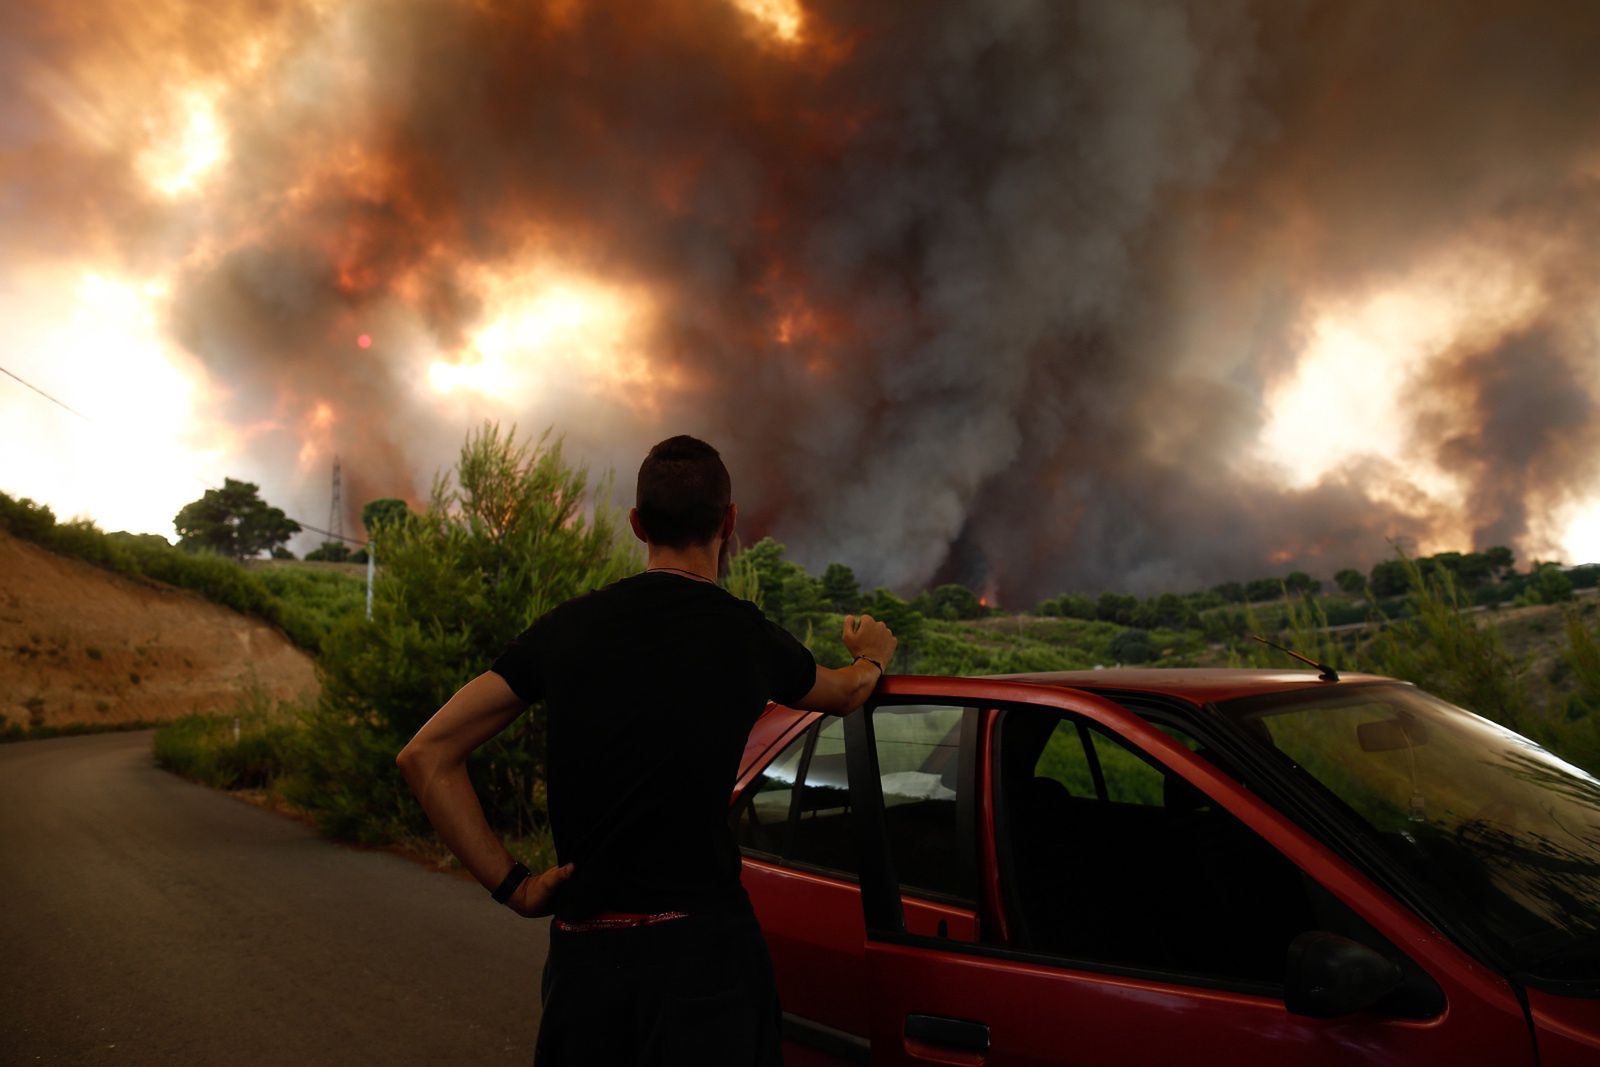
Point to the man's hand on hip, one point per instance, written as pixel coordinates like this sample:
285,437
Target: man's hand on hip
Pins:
537,893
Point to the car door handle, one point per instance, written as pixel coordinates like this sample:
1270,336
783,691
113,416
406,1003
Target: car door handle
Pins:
951,1033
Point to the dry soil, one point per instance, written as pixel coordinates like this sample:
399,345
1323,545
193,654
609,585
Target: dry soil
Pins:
79,644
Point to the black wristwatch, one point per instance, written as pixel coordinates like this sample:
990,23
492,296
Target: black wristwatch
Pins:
503,892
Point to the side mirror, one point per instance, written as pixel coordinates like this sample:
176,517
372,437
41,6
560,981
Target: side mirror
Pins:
1329,975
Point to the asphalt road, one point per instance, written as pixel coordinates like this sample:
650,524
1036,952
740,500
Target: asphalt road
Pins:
145,919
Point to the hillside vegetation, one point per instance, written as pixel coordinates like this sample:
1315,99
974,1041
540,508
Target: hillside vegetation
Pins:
514,529
304,600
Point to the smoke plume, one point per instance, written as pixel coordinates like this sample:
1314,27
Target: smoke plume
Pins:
1002,293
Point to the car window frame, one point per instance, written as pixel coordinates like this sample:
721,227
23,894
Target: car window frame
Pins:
1164,715
1004,853
1273,780
807,728
1344,881
882,893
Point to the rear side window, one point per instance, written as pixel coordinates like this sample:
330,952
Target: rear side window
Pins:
1066,760
761,816
1088,769
797,810
919,761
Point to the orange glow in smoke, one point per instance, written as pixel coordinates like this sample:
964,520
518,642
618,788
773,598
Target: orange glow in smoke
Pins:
318,434
782,19
544,330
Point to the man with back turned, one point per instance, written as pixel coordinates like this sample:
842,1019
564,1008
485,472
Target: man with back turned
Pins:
651,686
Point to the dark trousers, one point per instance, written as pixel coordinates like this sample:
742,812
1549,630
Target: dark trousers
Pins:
697,990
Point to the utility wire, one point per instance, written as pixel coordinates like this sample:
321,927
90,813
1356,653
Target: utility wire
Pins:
196,477
47,396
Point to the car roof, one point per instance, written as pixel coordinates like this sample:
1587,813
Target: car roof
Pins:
1198,685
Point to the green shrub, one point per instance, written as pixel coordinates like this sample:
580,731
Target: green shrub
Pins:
314,600
23,518
1444,649
512,533
344,774
205,748
1132,646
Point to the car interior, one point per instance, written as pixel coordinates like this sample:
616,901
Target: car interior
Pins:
1166,880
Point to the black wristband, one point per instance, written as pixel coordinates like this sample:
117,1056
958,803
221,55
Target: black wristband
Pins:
870,660
509,886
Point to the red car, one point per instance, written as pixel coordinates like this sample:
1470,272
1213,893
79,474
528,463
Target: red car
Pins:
1172,866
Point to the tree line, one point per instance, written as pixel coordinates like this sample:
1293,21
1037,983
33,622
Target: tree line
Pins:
514,529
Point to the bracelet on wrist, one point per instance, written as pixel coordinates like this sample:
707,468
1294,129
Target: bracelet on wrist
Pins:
517,875
870,660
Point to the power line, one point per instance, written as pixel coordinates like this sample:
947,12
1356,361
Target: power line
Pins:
196,477
47,396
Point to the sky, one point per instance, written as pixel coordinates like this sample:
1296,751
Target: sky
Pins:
1036,296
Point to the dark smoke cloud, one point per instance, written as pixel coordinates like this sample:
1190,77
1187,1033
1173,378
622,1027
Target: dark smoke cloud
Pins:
1516,422
1041,262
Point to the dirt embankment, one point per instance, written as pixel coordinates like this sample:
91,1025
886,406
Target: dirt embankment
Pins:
81,644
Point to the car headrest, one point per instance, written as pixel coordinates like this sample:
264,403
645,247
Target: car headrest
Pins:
1046,796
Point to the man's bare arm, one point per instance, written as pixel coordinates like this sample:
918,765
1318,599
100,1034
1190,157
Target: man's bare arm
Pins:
843,690
434,764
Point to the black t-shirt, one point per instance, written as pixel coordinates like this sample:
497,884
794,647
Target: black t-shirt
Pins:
651,686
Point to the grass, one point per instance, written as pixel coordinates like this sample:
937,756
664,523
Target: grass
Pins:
327,595
263,752
245,751
18,732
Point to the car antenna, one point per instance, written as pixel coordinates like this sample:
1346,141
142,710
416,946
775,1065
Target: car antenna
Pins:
1326,673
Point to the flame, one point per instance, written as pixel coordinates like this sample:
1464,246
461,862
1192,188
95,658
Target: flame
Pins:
783,19
318,436
545,329
1344,398
188,149
1580,537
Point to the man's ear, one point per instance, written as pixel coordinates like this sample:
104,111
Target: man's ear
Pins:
729,521
638,527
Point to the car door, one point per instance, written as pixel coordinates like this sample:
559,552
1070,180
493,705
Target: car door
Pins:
1120,948
792,819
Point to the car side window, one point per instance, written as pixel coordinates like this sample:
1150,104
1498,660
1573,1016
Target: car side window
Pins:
1129,779
1148,874
822,835
797,810
760,818
928,829
1068,760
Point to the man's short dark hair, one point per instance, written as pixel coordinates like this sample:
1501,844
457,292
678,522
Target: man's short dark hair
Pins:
683,492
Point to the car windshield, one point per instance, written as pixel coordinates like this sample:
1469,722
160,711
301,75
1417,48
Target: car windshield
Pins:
1503,830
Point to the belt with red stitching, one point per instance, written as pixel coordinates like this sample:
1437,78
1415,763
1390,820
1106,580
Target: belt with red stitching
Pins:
617,920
